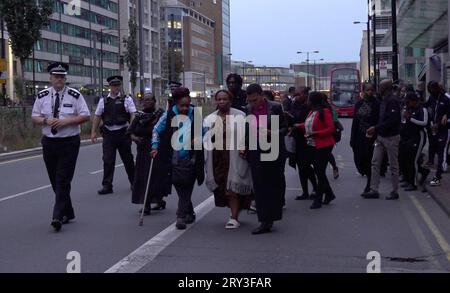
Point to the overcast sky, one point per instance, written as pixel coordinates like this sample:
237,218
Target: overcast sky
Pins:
270,32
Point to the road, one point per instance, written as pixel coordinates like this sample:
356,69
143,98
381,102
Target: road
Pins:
411,235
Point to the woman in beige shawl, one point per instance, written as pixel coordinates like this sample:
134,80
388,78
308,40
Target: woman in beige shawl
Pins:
227,173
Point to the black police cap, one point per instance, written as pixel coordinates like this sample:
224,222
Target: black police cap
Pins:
115,80
58,68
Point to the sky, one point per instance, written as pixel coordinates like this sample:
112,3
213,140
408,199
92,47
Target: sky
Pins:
270,32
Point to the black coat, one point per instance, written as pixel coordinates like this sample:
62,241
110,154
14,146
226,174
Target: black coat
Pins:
362,145
268,177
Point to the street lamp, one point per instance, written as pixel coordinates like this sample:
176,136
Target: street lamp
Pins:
368,43
307,63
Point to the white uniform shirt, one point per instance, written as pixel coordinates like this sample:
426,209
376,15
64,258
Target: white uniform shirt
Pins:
129,107
72,104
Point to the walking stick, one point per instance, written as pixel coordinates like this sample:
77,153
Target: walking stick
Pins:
141,220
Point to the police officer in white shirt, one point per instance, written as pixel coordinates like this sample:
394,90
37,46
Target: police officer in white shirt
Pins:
116,111
60,110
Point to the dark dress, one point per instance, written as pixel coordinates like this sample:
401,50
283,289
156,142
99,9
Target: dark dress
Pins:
269,181
142,126
366,116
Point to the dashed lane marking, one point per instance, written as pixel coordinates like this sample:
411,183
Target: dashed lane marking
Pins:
101,171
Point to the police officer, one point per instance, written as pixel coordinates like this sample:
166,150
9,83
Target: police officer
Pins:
116,111
60,110
413,140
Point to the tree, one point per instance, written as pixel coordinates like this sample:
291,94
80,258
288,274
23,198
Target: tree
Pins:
24,20
132,54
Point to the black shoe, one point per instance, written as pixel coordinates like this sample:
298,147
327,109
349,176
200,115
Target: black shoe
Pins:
190,219
57,225
302,197
181,224
411,188
67,219
105,191
393,196
371,195
160,206
264,228
329,199
313,195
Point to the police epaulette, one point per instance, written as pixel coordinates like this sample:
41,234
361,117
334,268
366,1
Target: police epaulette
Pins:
74,94
43,94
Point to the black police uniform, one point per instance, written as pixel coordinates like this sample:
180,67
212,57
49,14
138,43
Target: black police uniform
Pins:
116,114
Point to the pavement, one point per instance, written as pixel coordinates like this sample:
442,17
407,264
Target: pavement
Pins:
410,235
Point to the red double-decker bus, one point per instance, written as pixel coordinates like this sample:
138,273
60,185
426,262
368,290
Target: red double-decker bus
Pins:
345,90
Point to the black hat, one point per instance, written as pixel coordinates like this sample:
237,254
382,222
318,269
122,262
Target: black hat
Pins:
115,80
58,68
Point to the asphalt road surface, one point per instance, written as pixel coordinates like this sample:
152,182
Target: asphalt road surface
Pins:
410,235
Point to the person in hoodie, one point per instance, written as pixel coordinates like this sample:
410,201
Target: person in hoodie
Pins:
387,142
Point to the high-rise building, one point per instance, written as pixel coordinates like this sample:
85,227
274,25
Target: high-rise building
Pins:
381,10
151,42
196,43
78,39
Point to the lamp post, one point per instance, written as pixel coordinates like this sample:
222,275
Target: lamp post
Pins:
368,44
307,63
395,76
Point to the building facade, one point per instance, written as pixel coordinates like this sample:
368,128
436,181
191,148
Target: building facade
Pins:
151,43
381,10
81,40
423,33
319,74
195,40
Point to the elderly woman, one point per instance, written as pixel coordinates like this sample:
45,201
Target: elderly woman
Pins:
227,173
185,165
141,130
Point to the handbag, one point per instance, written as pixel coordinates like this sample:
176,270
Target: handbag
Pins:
338,132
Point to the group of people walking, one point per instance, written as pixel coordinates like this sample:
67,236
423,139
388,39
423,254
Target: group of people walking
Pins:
236,176
391,129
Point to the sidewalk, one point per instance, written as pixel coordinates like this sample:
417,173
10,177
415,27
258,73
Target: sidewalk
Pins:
441,194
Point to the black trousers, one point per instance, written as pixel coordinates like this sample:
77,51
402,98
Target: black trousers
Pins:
114,141
441,150
185,206
305,169
320,162
409,155
60,157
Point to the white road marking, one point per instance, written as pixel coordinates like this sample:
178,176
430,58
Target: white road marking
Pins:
24,193
19,160
101,171
145,254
